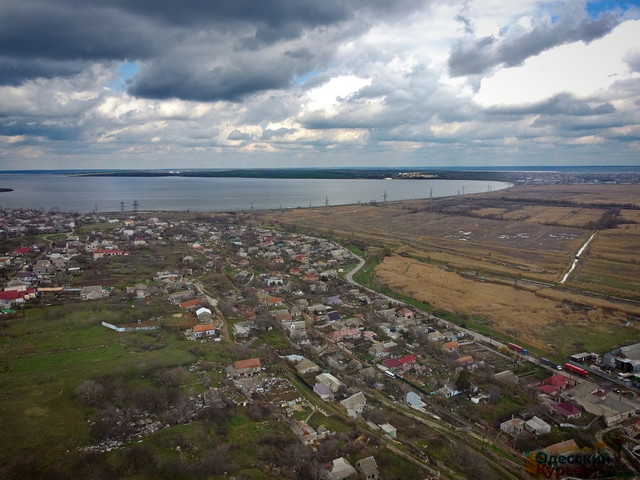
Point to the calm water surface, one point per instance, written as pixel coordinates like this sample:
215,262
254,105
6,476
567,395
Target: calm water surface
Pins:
85,194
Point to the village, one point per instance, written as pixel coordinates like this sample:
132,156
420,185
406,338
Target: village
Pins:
309,344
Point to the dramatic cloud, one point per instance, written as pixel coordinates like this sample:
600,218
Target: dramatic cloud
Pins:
529,36
120,83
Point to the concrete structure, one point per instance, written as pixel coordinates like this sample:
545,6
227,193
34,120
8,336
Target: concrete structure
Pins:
368,468
626,359
513,426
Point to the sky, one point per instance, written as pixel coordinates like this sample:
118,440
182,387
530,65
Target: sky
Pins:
97,84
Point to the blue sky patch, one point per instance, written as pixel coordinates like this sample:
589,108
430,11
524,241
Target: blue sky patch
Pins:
126,71
596,8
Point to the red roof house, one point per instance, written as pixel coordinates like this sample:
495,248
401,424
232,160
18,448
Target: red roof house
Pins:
392,363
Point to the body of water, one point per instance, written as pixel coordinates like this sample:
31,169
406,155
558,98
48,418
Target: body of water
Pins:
110,194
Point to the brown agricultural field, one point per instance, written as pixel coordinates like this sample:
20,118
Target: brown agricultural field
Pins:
579,194
506,237
531,314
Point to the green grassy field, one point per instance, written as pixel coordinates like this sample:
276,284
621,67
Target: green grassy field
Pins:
47,354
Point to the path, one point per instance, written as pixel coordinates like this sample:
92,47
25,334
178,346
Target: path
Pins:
575,260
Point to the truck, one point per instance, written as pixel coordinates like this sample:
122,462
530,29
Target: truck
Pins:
517,348
577,370
549,363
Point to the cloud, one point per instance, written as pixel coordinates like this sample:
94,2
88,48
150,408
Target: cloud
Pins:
238,135
563,104
632,58
528,37
299,82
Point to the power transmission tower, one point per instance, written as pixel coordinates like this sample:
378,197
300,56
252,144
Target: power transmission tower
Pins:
135,206
385,196
122,205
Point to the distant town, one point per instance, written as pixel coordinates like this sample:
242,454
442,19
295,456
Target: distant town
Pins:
272,327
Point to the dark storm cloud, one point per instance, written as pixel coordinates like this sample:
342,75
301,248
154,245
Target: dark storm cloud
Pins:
563,104
190,76
55,31
13,71
45,39
478,55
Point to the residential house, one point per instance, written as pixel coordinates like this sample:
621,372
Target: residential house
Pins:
204,331
355,404
600,402
204,315
407,361
274,302
414,400
323,391
447,391
242,329
42,267
368,468
93,292
451,346
329,381
334,300
14,297
306,367
368,335
182,296
341,469
513,426
507,376
305,433
191,304
392,363
559,381
17,285
247,367
140,290
344,334
464,361
537,426
567,410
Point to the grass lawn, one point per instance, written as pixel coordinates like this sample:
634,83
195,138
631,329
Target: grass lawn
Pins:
47,354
